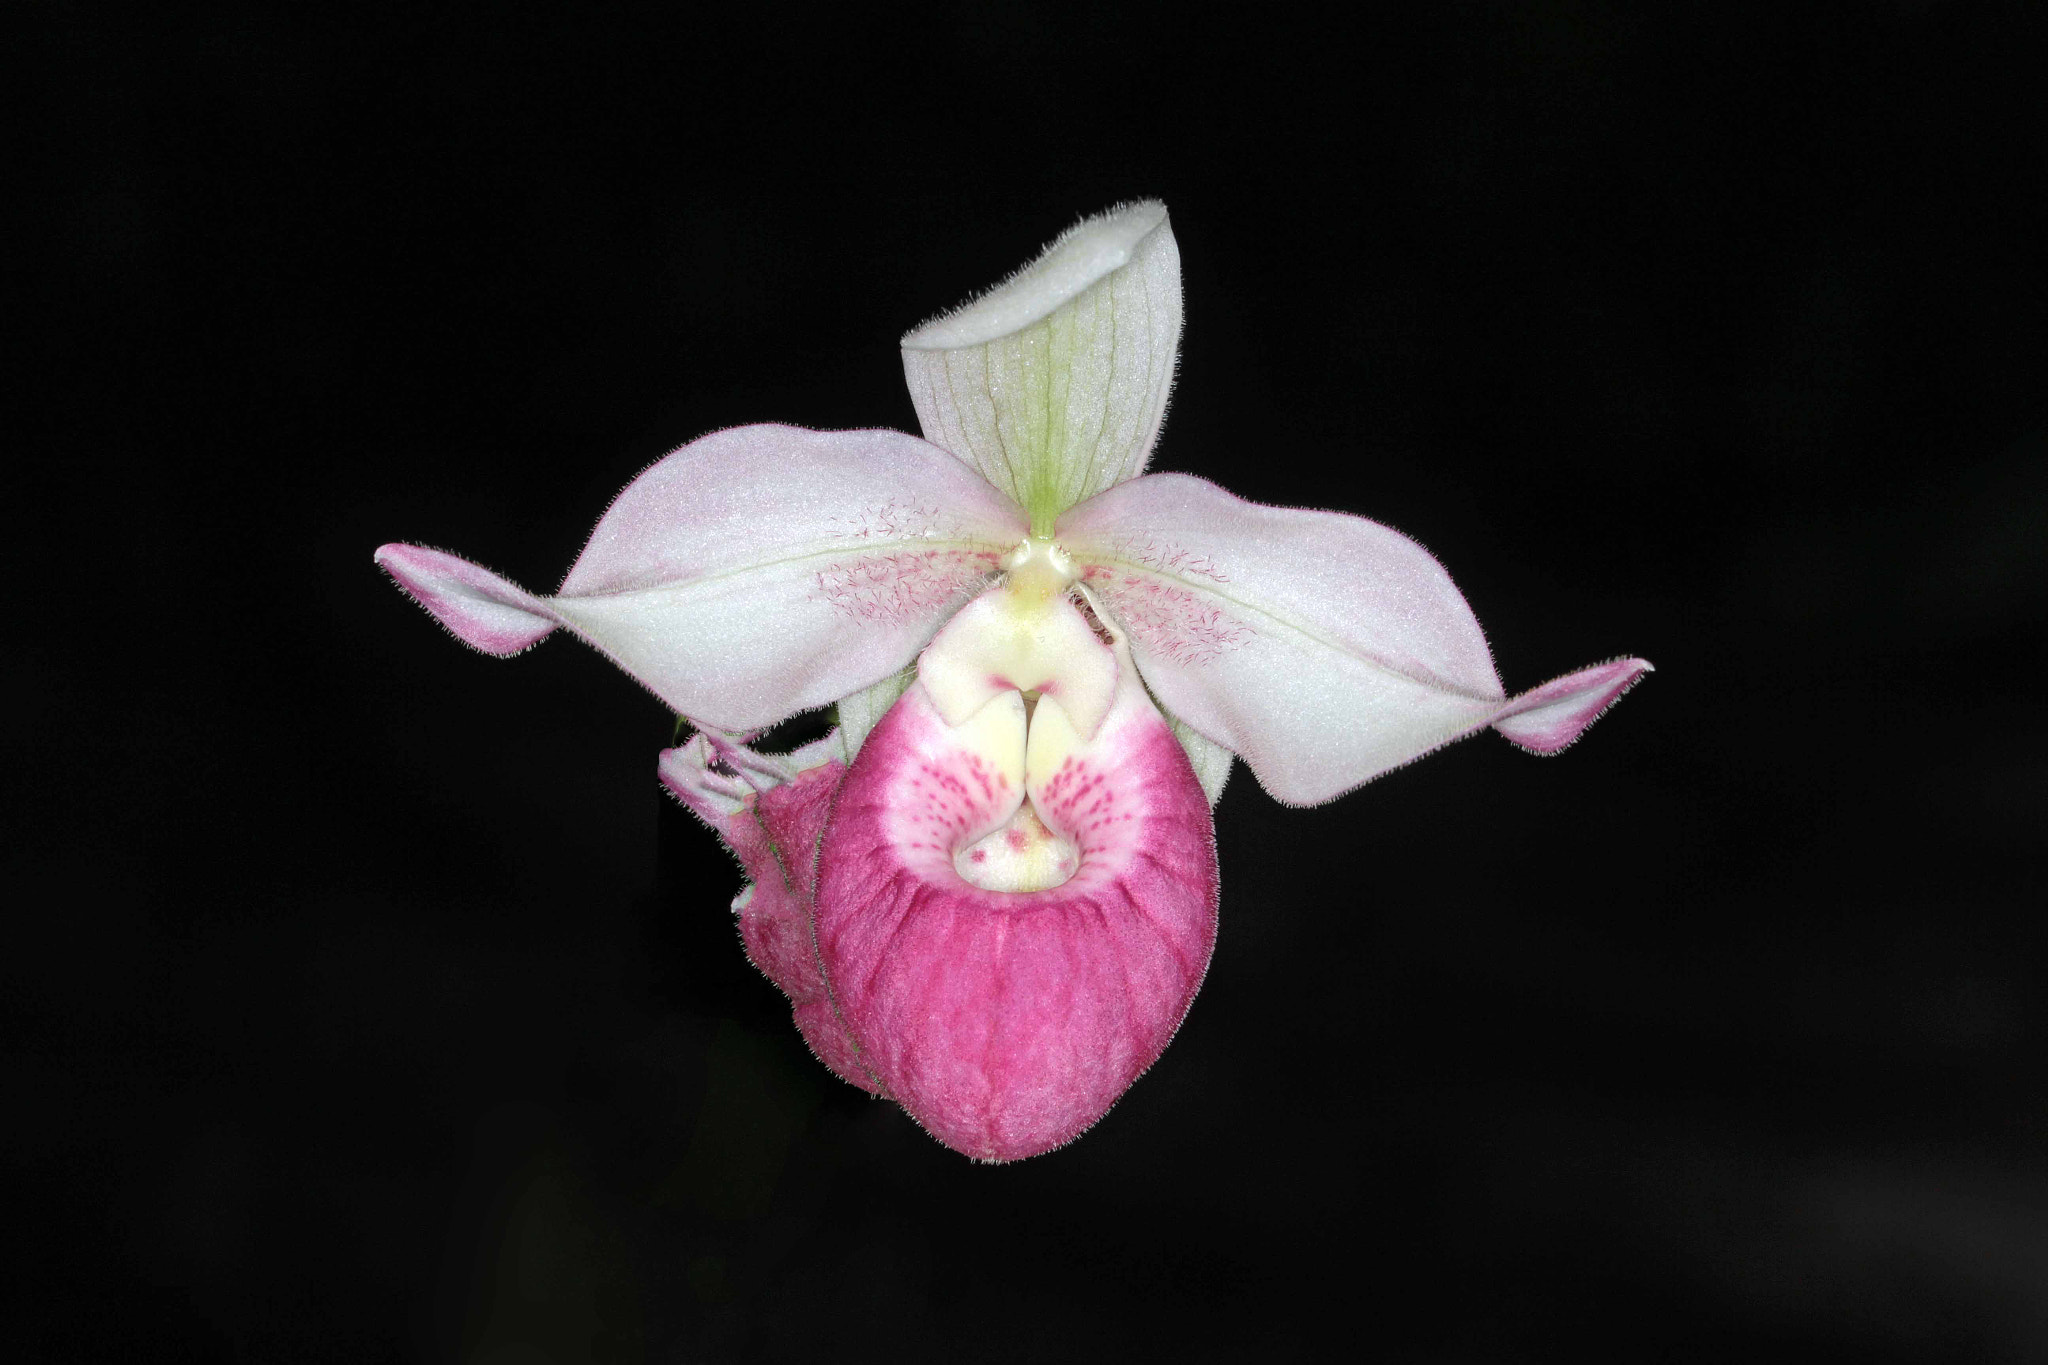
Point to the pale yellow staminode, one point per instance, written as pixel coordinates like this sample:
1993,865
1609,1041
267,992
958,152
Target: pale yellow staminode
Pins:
1022,635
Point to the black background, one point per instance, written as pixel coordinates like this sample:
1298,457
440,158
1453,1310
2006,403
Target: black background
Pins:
368,1000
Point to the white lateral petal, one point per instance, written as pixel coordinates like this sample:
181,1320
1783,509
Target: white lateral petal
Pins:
756,572
1321,648
1054,383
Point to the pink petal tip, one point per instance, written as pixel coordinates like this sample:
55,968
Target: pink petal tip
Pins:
478,607
1547,719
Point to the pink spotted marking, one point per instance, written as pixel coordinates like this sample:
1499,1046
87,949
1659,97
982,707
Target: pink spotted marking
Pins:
984,778
944,803
1171,621
884,580
1163,556
887,586
893,520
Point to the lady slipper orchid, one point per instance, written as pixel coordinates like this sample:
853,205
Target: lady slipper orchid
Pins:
991,892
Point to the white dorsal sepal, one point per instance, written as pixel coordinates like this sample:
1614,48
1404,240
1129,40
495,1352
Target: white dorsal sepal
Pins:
1054,383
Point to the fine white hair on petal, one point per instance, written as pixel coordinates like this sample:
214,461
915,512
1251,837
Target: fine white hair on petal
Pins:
1070,263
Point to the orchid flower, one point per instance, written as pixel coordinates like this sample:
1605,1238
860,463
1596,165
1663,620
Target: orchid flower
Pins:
991,892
